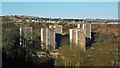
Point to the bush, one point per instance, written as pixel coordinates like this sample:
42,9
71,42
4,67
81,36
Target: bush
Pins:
105,37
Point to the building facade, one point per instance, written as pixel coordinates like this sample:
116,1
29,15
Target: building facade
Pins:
87,27
77,37
49,37
57,28
81,35
26,35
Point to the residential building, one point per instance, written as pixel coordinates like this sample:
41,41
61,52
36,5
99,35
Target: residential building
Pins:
51,37
26,35
87,27
78,37
47,39
81,35
58,28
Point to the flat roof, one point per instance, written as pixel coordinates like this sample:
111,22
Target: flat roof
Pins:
83,22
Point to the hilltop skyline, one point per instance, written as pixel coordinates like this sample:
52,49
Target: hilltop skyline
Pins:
74,10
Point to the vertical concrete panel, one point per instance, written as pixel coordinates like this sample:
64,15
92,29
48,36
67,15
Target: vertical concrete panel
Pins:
78,25
41,37
54,43
47,37
76,33
70,37
82,38
90,31
20,36
83,26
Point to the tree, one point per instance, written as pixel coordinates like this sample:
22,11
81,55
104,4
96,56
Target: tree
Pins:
105,37
10,39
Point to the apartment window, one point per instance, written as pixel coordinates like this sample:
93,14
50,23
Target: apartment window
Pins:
78,34
78,42
48,37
